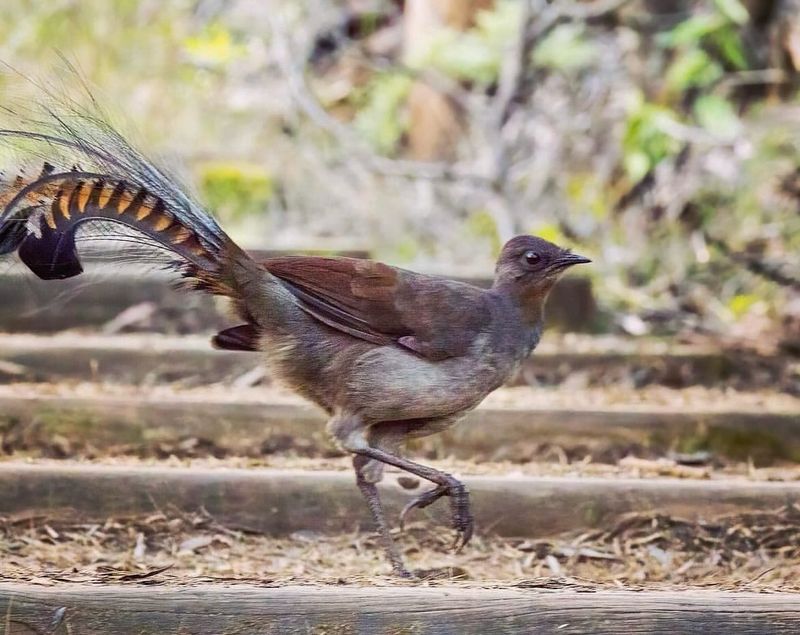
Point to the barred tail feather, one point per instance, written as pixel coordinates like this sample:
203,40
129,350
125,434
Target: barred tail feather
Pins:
110,191
41,218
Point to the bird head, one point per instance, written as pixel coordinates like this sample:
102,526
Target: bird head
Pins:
529,266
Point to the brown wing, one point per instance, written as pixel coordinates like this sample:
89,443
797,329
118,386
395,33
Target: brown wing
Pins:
434,317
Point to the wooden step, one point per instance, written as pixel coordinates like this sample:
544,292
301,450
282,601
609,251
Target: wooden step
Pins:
441,610
92,300
136,359
279,502
242,424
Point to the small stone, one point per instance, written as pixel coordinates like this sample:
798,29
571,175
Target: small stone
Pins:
408,482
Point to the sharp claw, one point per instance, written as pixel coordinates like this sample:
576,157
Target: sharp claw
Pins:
409,506
463,536
421,501
466,535
462,519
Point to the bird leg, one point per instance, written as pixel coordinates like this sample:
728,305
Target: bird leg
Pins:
461,516
370,493
351,432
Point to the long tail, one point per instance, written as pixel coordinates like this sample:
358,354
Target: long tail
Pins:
120,197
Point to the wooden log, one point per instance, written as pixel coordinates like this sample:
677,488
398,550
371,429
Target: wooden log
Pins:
30,305
439,610
279,502
134,359
36,306
123,359
241,427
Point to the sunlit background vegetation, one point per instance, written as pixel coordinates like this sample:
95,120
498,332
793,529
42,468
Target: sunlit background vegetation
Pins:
660,138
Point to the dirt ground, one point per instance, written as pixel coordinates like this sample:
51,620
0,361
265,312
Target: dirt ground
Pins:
759,551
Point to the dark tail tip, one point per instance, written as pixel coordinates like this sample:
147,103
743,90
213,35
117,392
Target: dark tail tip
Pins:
51,256
237,338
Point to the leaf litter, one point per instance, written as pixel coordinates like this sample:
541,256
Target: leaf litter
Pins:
750,551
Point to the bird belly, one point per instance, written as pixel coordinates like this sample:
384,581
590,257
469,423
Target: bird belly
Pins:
382,383
387,383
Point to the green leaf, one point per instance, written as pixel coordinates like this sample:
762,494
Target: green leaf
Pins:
691,31
717,116
500,26
730,45
637,164
565,49
647,139
734,10
692,69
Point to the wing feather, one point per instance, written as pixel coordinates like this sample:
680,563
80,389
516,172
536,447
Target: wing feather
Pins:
385,305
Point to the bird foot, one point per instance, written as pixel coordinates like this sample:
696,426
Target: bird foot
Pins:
422,501
462,520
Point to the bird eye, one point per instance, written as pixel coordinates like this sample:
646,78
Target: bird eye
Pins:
531,257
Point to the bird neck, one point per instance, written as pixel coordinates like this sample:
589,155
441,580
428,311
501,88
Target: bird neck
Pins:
528,300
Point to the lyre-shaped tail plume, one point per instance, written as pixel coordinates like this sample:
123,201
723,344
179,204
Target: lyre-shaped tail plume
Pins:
42,216
109,184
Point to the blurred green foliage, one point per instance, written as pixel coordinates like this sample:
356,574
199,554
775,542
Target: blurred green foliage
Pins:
482,226
234,189
213,46
715,29
475,54
693,68
717,115
158,72
381,118
741,303
614,101
648,138
587,192
701,47
566,49
551,232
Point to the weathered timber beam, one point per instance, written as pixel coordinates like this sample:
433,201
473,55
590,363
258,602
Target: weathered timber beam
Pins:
279,502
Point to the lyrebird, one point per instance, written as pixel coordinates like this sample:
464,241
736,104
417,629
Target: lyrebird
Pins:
389,354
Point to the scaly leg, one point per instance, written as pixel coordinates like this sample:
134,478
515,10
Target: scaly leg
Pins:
351,432
389,436
462,519
370,492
